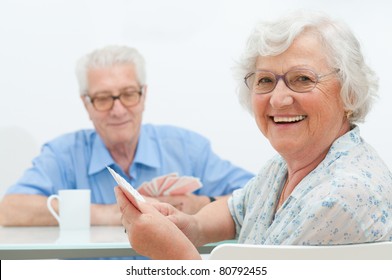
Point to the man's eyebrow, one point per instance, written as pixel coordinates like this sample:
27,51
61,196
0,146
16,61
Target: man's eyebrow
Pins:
106,92
120,90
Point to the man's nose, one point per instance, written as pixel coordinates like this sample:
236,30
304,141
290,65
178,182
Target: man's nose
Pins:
117,105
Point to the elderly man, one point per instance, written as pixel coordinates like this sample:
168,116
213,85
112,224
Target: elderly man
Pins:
113,90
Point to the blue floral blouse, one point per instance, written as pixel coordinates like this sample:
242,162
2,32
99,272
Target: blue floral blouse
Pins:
346,199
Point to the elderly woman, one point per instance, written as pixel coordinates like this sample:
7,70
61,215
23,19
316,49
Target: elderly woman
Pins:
307,84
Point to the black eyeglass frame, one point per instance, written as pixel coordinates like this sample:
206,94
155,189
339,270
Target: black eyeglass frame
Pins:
114,98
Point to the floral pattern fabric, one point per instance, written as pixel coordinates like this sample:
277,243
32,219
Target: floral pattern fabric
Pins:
346,199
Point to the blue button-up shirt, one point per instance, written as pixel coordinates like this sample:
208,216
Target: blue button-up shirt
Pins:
78,161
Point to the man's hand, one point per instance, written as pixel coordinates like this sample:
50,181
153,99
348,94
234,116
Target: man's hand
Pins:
189,203
105,214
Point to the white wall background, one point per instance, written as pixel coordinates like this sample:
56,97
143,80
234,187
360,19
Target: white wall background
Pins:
190,47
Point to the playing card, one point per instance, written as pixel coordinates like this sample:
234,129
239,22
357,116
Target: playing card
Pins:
150,188
130,192
144,189
185,184
170,184
158,181
154,187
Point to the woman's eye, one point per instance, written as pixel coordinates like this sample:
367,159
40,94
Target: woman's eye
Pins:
264,80
303,78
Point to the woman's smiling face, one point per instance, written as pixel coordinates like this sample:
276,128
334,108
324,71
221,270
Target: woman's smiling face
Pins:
301,124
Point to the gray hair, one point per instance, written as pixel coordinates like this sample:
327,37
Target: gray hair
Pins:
343,51
106,57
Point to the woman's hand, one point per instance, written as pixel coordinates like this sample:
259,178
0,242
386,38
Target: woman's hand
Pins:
155,230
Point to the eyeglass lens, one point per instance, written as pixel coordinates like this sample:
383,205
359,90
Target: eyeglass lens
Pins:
299,80
104,102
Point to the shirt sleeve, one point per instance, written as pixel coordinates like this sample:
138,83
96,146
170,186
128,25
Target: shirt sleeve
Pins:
237,204
45,176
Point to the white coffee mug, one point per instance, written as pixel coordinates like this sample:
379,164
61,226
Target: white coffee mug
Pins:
74,209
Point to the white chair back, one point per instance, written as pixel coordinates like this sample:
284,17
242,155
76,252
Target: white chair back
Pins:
17,149
366,251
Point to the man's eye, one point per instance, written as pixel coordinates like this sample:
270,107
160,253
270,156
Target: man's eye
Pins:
129,94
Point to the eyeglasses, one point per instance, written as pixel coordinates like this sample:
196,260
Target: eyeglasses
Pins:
105,101
298,80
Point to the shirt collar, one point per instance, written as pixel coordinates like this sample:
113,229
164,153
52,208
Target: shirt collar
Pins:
342,145
147,153
100,156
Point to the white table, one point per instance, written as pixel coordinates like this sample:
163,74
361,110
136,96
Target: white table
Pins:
50,243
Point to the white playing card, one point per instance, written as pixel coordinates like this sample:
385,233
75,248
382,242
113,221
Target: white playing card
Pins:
184,185
170,184
154,187
143,189
133,195
150,189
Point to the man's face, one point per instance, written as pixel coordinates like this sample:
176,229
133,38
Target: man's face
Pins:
120,124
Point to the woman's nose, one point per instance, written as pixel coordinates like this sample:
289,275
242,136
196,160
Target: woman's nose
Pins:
281,96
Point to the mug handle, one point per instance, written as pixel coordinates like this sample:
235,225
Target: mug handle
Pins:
49,205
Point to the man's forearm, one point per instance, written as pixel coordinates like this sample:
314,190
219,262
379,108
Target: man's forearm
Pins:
25,210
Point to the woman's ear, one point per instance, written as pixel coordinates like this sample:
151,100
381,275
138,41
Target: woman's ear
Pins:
348,114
